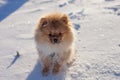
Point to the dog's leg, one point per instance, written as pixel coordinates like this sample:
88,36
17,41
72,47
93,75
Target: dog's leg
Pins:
63,59
56,68
46,66
69,56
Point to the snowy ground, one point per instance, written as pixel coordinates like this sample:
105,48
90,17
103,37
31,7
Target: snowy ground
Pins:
97,24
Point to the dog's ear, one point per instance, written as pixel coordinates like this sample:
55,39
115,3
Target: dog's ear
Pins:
43,22
64,18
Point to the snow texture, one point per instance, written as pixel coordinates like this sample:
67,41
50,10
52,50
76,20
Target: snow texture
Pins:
97,44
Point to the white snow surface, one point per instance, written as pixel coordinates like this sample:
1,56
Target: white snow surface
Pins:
97,44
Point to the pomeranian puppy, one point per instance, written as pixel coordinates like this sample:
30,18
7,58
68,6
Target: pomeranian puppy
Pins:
54,39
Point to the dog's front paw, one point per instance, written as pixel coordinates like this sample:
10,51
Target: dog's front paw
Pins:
45,71
56,68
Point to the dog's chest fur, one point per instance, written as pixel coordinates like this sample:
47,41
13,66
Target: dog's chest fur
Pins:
47,49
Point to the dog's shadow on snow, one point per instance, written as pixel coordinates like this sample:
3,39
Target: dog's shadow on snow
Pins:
36,74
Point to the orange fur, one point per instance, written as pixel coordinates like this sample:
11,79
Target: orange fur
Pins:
54,39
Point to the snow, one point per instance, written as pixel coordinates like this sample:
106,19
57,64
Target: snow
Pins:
97,27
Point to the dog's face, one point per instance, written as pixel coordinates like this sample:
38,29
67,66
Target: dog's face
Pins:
54,28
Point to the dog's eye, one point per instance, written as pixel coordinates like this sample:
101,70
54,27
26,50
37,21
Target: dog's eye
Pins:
60,34
50,35
44,23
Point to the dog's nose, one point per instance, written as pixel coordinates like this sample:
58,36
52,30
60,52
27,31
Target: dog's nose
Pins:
55,40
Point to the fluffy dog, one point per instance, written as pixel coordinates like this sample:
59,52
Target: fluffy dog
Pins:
54,39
